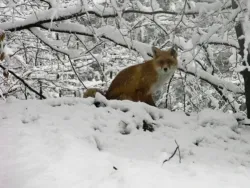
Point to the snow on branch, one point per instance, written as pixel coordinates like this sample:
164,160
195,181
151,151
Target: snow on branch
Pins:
211,79
113,34
56,14
212,6
54,44
60,14
24,82
106,32
47,19
215,40
69,53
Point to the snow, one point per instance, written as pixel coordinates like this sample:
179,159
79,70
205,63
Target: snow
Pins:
212,79
57,13
68,142
72,53
44,20
142,7
113,34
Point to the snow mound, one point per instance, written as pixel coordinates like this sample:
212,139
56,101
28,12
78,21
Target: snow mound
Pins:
214,118
69,142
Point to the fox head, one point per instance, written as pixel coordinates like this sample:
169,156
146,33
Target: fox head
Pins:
165,61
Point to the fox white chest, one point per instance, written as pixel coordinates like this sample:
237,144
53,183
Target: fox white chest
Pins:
163,77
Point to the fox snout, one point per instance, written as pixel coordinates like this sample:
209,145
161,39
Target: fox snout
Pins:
164,68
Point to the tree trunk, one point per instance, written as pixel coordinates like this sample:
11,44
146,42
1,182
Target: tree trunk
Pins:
245,73
246,76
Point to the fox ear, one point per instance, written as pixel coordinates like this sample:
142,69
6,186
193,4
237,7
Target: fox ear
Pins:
156,51
173,51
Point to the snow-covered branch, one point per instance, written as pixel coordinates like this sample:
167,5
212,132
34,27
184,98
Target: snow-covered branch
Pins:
69,53
213,80
112,34
60,14
119,31
24,82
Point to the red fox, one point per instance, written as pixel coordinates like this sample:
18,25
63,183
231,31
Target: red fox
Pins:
2,36
139,82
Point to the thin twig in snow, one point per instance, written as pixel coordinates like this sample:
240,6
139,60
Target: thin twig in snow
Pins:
176,149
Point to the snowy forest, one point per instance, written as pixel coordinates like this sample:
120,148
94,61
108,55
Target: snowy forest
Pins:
60,48
52,51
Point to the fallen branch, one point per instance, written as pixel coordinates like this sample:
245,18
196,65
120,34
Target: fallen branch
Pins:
176,149
28,86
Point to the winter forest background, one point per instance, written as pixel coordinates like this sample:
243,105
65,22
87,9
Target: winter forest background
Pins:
57,48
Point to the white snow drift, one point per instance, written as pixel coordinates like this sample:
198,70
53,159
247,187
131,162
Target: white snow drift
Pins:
69,143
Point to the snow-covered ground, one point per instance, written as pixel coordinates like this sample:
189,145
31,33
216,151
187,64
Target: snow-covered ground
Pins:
69,143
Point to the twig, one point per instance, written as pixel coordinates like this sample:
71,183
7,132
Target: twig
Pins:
73,68
37,52
63,52
89,51
30,88
48,3
176,149
179,151
25,53
169,83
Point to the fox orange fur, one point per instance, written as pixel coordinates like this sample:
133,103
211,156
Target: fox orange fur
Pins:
139,82
2,55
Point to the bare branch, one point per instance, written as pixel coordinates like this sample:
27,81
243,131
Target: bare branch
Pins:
20,79
36,32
